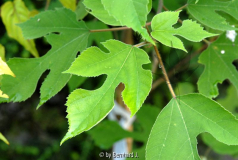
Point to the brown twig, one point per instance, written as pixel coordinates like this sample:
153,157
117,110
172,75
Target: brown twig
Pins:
160,6
181,8
47,4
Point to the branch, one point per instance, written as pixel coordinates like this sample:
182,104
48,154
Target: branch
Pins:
114,29
178,66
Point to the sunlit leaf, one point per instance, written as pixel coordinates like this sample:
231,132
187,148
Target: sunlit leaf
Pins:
163,31
13,13
122,64
174,133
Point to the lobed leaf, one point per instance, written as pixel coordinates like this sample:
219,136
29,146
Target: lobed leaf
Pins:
174,133
72,38
122,65
218,58
163,31
13,13
205,12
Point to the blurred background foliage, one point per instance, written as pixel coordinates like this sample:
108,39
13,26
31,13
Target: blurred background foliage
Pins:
36,134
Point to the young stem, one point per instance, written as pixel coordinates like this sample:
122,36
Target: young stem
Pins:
164,72
181,8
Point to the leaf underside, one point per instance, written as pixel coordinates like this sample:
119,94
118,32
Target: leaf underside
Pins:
174,133
65,46
122,65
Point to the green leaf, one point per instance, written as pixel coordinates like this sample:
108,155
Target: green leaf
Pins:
3,139
98,37
132,13
231,105
218,58
75,82
174,133
122,64
205,12
13,13
65,46
81,11
163,31
98,10
107,133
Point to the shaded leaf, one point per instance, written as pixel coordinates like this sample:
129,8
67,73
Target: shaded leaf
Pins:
98,37
174,133
75,82
70,4
122,64
13,13
163,31
65,46
81,11
98,10
108,132
218,58
205,12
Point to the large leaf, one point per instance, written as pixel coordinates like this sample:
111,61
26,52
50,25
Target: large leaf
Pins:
122,64
65,46
174,133
13,13
205,12
230,104
218,58
163,31
132,13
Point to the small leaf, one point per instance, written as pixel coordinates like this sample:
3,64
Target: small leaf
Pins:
70,4
13,13
3,139
205,12
218,58
174,133
122,64
65,46
163,31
